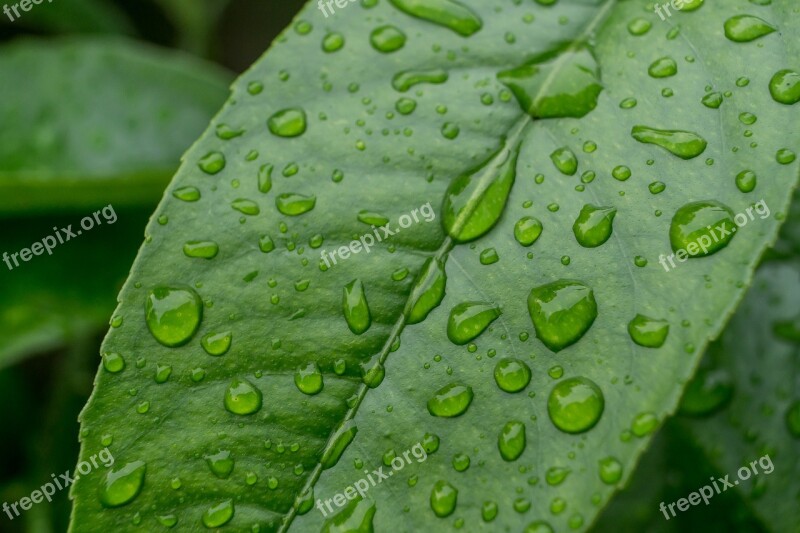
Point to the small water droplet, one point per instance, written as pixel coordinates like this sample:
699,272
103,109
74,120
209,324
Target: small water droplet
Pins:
387,39
355,307
575,405
242,397
512,375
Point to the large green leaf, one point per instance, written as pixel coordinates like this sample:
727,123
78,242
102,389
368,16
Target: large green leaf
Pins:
93,121
338,127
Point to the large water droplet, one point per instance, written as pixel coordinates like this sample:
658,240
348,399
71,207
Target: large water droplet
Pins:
785,87
123,485
338,443
288,123
355,307
575,405
428,291
451,400
469,319
475,200
242,397
527,230
684,144
444,497
563,82
512,375
648,332
594,225
295,204
511,440
745,28
308,379
562,312
387,39
447,13
218,515
201,249
702,228
173,314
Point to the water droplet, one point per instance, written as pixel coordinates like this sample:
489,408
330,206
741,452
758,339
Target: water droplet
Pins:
610,470
444,496
288,123
565,161
712,100
562,312
218,515
785,87
212,163
639,26
702,228
221,463
216,344
628,103
460,462
594,225
295,204
113,362
469,319
746,28
512,375
332,42
173,314
201,249
187,194
556,475
338,443
308,379
663,68
562,82
489,256
246,207
489,511
405,106
644,424
167,520
242,397
123,485
575,405
447,13
746,181
355,307
538,527
527,230
475,200
387,39
403,81
684,144
227,133
784,156
511,440
451,400
450,130
428,291
648,332
357,515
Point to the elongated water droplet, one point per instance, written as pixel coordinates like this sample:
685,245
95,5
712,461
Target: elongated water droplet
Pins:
785,87
527,230
469,319
356,516
246,207
187,194
746,28
221,463
218,515
556,475
475,200
575,405
562,312
201,249
511,440
288,123
403,81
428,291
594,225
355,307
338,443
173,314
121,486
308,379
663,68
512,375
684,144
648,332
451,400
217,344
444,498
265,178
242,397
372,219
702,228
387,39
447,13
294,204
562,82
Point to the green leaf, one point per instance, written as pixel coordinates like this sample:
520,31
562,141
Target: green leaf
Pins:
743,406
334,147
75,16
110,130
